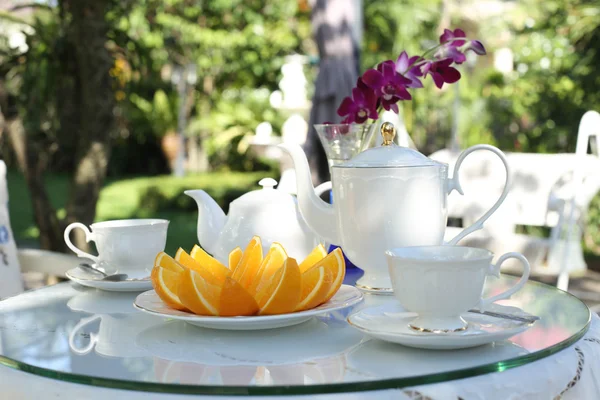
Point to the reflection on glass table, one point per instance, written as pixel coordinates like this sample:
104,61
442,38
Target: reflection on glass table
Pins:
98,338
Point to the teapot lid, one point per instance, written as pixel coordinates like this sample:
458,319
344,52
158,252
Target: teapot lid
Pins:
267,196
389,154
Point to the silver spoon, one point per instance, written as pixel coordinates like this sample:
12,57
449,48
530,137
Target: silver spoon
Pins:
106,277
528,319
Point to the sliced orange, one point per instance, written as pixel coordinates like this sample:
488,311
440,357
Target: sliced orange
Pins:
283,293
322,280
166,261
338,266
316,255
271,263
249,263
234,257
209,263
235,300
196,294
207,273
315,286
165,280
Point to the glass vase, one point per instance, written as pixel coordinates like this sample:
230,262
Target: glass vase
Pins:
343,141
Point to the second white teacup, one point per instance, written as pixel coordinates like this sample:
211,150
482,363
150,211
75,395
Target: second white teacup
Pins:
439,283
125,246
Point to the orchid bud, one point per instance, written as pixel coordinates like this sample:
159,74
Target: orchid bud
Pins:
477,47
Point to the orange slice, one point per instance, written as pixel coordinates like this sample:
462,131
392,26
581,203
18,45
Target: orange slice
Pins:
283,293
235,300
322,280
249,264
165,280
209,263
234,258
316,255
166,261
339,271
271,263
315,286
196,294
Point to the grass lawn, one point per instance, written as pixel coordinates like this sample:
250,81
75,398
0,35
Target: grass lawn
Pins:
141,197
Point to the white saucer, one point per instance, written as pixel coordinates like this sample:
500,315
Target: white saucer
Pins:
390,323
346,297
130,285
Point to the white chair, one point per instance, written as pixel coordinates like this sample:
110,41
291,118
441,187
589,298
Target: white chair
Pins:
549,190
14,263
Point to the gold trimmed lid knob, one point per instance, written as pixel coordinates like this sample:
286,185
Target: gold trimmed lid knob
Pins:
388,132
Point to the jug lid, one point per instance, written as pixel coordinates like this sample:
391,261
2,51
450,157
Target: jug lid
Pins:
388,154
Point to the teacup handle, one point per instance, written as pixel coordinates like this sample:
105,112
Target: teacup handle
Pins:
93,337
494,270
89,236
454,184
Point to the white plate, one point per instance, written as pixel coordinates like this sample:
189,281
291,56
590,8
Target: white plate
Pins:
390,323
346,297
130,285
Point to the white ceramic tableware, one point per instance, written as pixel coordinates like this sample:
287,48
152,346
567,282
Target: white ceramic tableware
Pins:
119,324
440,283
346,297
271,214
390,323
83,278
114,338
384,197
126,246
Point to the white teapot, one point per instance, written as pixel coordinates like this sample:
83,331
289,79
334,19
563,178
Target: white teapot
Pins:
383,198
269,213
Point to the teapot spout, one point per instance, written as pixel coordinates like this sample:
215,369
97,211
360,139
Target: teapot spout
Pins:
211,219
319,215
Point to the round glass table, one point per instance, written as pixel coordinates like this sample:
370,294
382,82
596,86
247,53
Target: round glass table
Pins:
71,333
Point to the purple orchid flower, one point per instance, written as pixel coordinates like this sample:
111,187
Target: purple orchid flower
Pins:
414,73
388,84
441,72
361,106
383,87
448,37
451,52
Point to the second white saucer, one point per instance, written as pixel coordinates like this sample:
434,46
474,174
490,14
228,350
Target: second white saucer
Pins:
129,285
390,323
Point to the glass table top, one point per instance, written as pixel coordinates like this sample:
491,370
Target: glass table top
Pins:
88,336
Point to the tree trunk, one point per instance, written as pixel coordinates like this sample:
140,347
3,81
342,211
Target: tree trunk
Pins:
32,162
88,35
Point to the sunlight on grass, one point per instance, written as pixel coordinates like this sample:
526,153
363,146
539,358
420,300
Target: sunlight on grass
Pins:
143,197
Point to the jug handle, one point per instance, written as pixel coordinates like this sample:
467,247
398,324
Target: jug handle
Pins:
323,187
454,184
319,190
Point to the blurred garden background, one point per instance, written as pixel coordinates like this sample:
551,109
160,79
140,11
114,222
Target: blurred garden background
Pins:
91,96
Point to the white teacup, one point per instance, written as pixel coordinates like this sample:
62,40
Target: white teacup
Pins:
439,283
126,246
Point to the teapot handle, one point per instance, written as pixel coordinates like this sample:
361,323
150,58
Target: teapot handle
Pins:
454,184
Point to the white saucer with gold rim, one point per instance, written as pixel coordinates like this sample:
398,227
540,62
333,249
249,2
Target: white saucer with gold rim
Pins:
391,323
